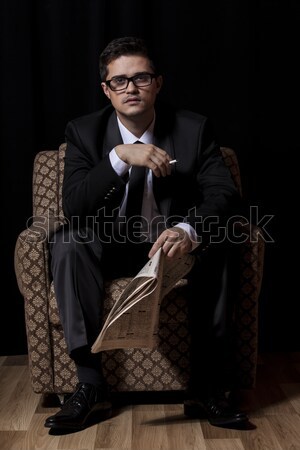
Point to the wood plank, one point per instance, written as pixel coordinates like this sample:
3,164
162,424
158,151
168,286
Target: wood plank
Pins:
292,391
184,433
225,444
270,399
145,436
211,432
12,440
165,427
116,433
286,429
258,437
261,438
81,440
38,437
9,377
19,402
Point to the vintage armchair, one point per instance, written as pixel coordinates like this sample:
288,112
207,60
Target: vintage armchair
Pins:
165,368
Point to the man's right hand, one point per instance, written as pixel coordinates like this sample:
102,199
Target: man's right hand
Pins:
146,155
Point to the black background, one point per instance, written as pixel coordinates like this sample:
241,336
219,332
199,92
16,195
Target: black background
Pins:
235,61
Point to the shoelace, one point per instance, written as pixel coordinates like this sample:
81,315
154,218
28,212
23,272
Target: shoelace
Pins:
76,400
218,404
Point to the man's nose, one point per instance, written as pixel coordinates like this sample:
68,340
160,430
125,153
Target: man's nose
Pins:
131,86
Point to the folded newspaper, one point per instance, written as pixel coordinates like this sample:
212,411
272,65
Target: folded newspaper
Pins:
133,319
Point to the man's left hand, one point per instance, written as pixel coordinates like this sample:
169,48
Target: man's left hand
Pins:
174,242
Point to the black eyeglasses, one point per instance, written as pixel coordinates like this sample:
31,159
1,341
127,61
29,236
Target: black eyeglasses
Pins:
139,80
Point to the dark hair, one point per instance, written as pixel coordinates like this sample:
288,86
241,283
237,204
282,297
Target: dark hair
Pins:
120,47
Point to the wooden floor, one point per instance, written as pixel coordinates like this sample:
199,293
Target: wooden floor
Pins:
273,407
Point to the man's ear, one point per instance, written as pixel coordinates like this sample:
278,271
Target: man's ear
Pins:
105,90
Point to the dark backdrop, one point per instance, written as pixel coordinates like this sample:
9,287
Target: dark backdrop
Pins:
235,61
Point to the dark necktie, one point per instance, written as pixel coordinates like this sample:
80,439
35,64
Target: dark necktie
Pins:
135,201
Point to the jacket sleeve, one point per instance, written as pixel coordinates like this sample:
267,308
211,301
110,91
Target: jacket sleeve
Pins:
90,183
217,197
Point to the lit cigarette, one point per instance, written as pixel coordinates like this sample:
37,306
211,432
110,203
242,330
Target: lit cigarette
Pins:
173,161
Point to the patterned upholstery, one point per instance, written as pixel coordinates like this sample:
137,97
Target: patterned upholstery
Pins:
164,369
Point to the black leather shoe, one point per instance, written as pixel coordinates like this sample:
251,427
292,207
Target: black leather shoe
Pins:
217,409
88,402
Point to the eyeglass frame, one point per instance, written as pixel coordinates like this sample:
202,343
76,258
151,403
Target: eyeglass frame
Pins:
128,79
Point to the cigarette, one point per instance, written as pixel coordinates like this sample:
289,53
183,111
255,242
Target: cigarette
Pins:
173,161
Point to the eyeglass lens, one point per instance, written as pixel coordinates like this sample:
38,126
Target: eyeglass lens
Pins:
139,80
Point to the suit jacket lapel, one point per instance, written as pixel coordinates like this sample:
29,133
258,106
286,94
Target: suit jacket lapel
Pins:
112,135
162,186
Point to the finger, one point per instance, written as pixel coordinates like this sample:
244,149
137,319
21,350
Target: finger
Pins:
173,251
154,249
161,159
155,169
158,243
163,153
177,244
167,247
174,236
158,166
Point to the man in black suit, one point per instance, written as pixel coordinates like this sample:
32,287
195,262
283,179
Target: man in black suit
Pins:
124,199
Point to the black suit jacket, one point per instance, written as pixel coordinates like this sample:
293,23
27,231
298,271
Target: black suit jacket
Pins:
200,189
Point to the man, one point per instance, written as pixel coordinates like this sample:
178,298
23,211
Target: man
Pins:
124,199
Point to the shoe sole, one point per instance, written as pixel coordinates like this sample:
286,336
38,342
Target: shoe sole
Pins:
229,423
95,416
197,412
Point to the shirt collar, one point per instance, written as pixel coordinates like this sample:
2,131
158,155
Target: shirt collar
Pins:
129,138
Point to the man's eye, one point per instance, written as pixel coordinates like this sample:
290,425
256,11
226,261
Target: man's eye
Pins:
141,77
119,80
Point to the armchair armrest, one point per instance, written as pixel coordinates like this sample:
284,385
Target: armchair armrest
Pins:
246,313
33,277
31,253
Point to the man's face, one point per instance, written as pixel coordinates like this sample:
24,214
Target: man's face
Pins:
132,100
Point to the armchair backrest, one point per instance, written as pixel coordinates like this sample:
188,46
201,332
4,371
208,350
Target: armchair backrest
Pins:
48,172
